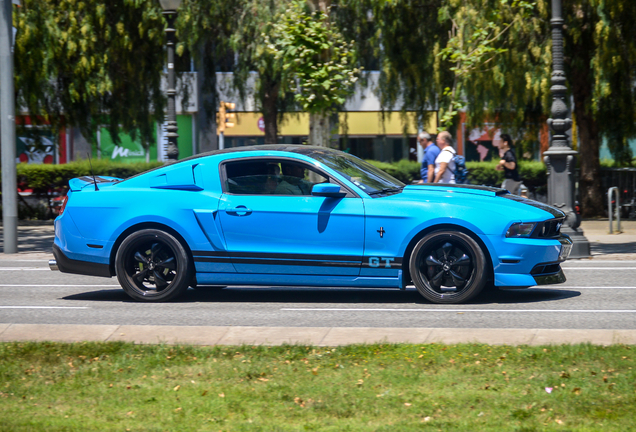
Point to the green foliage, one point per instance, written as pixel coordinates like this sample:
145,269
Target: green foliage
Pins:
206,29
404,170
496,46
484,173
614,64
476,41
213,30
42,178
317,60
533,173
75,61
402,39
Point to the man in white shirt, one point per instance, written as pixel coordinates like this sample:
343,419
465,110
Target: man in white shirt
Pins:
444,164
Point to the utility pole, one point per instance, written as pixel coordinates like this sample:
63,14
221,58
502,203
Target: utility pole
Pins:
7,131
560,158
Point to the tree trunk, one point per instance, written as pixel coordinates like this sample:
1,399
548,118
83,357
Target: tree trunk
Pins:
269,100
590,192
206,115
319,129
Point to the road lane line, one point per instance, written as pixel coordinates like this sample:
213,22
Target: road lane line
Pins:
584,287
598,268
24,268
44,307
58,285
461,310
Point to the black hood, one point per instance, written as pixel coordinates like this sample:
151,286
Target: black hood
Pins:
548,208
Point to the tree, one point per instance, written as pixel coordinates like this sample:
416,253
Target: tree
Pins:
600,58
401,39
273,98
600,61
476,40
87,64
318,65
215,30
205,28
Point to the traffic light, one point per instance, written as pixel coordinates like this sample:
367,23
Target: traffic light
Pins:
224,118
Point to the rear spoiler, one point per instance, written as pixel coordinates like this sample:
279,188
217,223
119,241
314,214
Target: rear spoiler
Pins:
79,183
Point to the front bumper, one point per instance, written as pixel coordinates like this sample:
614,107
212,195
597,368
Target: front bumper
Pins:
530,262
555,278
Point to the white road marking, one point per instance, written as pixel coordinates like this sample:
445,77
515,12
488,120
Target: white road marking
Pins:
581,287
44,307
43,260
59,285
24,268
603,262
598,268
461,310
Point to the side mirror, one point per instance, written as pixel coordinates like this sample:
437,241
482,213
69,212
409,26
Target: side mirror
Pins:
327,190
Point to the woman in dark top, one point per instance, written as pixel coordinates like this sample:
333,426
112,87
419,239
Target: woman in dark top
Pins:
508,164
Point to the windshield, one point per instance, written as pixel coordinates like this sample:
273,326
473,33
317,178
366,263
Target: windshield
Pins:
370,179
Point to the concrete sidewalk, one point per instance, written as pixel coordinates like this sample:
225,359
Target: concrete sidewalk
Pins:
35,243
318,336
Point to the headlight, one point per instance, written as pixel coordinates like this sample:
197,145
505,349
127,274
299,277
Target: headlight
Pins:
522,229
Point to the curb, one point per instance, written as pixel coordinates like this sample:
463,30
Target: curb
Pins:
317,336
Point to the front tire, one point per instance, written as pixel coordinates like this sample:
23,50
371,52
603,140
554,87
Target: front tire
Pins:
153,266
448,267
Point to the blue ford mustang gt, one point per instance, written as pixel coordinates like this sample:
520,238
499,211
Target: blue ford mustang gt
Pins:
282,215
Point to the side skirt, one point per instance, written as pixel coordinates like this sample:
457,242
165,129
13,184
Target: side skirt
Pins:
296,280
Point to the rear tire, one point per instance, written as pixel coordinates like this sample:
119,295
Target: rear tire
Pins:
448,267
153,266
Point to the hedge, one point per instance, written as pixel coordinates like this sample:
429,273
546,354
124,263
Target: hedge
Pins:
533,173
42,178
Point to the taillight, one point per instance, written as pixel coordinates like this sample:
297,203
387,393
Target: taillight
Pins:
63,205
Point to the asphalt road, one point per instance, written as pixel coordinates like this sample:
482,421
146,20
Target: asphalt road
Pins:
597,295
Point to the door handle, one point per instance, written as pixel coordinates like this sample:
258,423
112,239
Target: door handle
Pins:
239,211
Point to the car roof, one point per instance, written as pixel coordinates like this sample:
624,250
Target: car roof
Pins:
306,150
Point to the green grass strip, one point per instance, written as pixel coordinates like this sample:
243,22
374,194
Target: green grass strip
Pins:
385,387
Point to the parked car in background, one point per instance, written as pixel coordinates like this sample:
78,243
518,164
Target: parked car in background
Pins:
283,215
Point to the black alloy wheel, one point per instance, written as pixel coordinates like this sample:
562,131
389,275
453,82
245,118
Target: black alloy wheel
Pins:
153,266
448,267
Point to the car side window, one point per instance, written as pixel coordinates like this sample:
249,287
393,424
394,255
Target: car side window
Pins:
271,177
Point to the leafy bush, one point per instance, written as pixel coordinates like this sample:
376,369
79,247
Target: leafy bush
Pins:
47,181
404,170
42,178
533,173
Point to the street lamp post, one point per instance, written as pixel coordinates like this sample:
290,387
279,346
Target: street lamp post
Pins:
170,11
560,158
7,132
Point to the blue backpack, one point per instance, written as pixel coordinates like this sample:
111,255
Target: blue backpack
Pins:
461,173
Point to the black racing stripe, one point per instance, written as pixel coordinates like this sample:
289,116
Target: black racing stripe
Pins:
238,261
210,253
262,255
213,260
298,259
